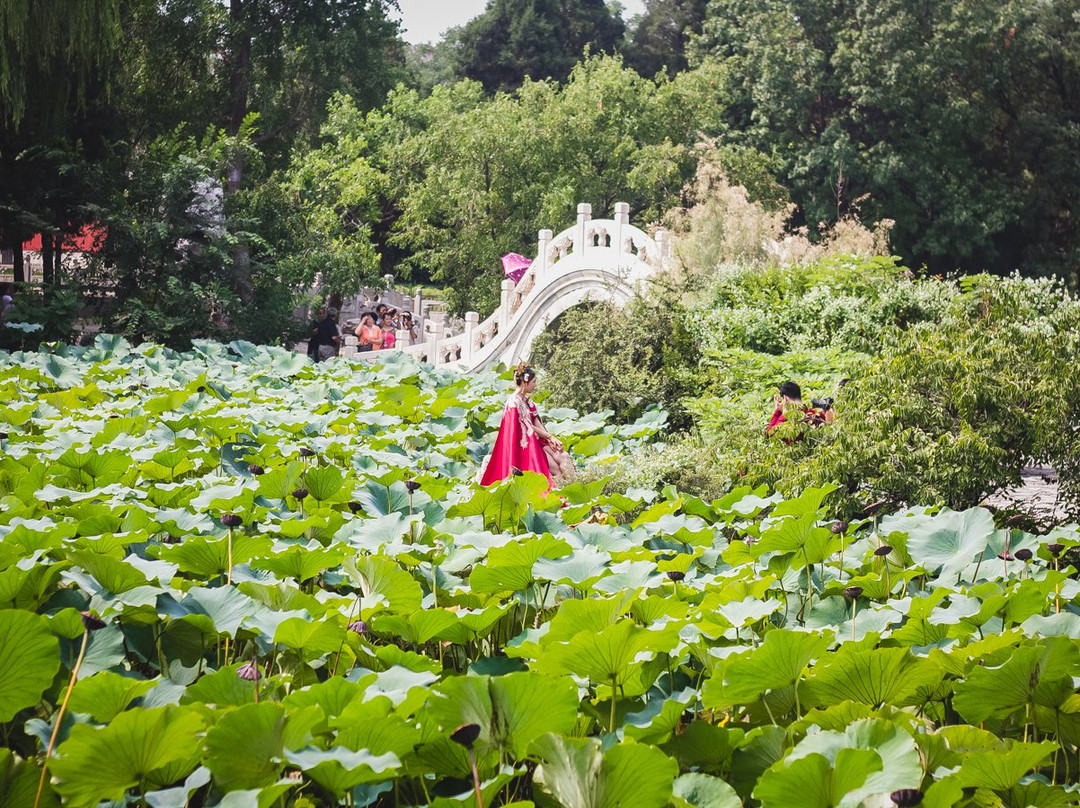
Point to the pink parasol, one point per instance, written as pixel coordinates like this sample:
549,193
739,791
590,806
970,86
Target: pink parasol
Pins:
515,266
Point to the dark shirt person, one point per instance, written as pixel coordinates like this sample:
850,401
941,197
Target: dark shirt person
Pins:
327,334
789,400
314,337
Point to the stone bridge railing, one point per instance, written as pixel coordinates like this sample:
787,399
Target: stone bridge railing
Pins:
595,259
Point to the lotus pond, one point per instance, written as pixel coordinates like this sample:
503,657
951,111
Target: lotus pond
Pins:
229,577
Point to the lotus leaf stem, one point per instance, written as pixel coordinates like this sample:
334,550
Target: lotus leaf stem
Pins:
854,611
611,719
60,716
476,779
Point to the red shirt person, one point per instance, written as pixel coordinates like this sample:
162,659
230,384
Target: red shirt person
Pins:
789,399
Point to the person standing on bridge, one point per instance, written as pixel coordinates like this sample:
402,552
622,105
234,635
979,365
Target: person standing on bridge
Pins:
523,443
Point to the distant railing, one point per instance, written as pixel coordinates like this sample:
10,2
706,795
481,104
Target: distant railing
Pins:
608,251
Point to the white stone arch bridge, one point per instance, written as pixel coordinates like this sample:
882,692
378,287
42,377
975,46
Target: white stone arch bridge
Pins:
593,260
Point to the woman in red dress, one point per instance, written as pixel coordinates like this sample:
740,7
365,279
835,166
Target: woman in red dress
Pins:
522,437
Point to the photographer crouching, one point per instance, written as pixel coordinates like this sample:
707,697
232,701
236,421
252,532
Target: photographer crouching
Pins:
788,401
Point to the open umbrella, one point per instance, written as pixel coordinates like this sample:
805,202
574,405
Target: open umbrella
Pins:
515,266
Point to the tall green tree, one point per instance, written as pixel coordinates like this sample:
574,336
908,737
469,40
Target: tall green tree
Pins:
540,39
660,36
950,119
57,61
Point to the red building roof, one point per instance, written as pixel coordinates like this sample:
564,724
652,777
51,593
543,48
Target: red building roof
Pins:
89,239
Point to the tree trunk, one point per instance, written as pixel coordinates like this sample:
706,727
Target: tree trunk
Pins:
239,79
18,272
47,249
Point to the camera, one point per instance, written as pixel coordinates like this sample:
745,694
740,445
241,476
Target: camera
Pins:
824,404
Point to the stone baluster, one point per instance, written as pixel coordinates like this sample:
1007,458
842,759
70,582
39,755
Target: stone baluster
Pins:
418,304
584,214
434,337
504,305
622,220
472,320
540,265
663,246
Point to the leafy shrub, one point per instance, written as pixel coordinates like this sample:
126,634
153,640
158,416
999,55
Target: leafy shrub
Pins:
600,357
949,410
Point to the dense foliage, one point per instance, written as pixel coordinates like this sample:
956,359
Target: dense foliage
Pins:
232,576
953,386
955,124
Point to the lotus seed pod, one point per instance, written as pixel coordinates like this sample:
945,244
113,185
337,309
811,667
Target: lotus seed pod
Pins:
675,575
1024,554
852,592
231,520
906,797
300,493
355,506
839,526
883,550
306,452
412,486
1005,555
466,735
256,470
1055,549
91,622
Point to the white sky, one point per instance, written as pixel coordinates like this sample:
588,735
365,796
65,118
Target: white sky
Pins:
427,20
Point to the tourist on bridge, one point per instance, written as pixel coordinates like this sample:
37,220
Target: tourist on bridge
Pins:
523,443
370,336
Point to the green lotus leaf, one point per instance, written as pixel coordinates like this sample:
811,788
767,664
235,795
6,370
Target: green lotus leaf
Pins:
147,747
900,762
324,483
406,689
381,500
178,796
510,568
947,542
29,659
300,563
384,585
760,749
423,626
703,791
592,615
591,445
512,711
1001,769
332,696
814,783
219,610
607,657
244,747
208,557
997,691
871,676
222,688
312,639
60,371
19,783
339,770
574,773
113,576
579,570
660,719
279,483
778,662
371,725
107,694
703,746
